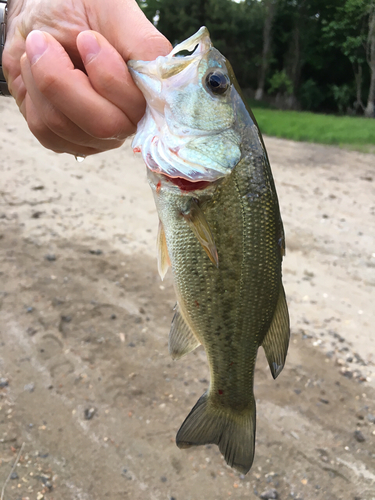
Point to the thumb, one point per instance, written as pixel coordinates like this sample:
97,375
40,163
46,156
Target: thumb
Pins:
124,25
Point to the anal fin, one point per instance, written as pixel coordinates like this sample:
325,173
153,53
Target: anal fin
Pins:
199,225
276,341
163,257
181,338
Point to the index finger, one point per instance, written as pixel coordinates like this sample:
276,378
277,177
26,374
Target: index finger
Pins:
69,90
109,74
126,27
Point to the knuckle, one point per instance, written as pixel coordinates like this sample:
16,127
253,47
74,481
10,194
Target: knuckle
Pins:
41,132
37,127
56,121
6,62
109,129
48,85
108,82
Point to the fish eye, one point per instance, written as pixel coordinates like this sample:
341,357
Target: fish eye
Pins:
217,82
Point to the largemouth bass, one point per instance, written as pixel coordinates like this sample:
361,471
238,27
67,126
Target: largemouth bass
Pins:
221,232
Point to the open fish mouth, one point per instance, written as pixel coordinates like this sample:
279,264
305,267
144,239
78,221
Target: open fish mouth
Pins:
168,144
164,67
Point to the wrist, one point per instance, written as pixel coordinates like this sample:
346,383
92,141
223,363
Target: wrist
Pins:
4,91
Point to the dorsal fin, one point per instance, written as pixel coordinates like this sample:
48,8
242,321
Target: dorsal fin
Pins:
181,338
276,341
163,257
199,225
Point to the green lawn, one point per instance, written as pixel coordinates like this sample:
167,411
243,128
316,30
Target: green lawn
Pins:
346,131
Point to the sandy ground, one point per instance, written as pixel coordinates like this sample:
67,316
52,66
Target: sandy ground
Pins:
86,383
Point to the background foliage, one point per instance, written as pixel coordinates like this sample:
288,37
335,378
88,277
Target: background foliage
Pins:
315,55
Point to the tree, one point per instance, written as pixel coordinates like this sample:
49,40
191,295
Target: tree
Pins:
270,9
296,36
352,30
295,54
235,28
370,57
323,49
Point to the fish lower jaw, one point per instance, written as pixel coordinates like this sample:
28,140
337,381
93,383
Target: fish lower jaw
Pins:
178,162
187,185
184,182
158,179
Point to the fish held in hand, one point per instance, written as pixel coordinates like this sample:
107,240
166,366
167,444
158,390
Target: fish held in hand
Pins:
220,231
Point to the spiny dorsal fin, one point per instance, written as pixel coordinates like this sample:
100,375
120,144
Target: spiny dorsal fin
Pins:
199,225
232,431
276,341
163,257
181,338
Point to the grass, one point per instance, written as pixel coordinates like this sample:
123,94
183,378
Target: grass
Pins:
351,132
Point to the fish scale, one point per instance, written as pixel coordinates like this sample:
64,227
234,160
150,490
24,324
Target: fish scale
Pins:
244,310
223,238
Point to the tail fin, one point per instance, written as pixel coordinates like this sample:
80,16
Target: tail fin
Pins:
233,432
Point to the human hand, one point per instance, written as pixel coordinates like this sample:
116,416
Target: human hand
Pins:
72,85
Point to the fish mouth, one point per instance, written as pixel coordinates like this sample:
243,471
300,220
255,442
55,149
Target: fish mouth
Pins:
168,147
149,74
155,77
184,185
188,185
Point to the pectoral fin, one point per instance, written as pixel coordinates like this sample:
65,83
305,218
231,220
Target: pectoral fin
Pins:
181,338
199,225
276,341
163,257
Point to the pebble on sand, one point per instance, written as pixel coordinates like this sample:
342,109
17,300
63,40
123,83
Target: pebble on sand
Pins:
3,383
89,413
31,331
269,494
359,436
29,387
126,473
324,401
51,257
96,252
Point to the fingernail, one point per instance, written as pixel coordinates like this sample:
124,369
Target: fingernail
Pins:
36,45
88,46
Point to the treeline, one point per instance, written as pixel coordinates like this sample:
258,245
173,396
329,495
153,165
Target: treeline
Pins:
316,55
